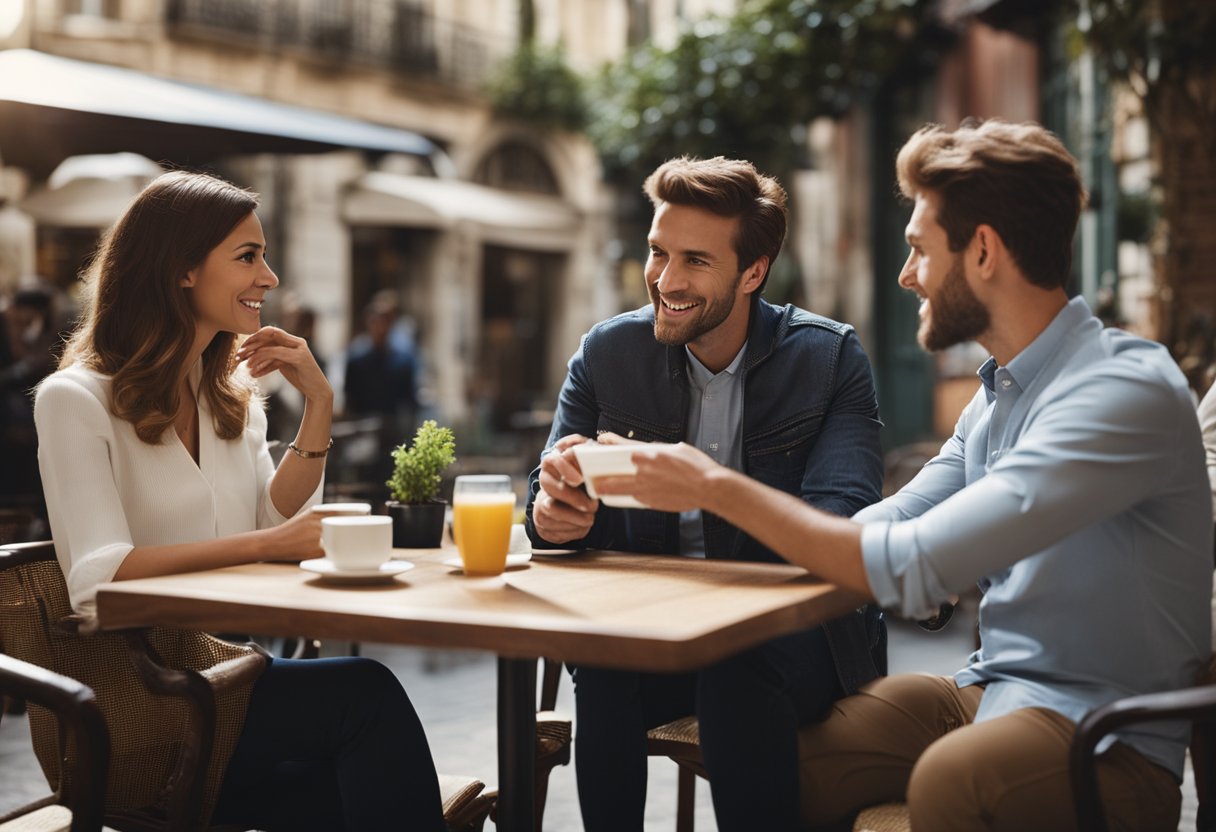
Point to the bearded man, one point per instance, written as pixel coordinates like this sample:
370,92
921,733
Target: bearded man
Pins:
1073,491
776,393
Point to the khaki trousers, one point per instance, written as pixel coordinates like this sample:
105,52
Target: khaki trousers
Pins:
912,738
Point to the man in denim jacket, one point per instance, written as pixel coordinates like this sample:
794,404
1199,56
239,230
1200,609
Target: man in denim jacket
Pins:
783,395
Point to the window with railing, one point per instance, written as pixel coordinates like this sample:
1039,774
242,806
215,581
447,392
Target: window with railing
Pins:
397,35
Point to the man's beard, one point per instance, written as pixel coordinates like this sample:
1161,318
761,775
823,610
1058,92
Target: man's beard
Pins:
955,313
710,315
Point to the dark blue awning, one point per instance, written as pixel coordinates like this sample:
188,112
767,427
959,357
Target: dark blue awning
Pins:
53,107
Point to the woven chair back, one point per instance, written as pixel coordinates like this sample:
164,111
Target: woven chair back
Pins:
147,731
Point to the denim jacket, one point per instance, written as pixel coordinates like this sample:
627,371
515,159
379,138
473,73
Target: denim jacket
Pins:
810,428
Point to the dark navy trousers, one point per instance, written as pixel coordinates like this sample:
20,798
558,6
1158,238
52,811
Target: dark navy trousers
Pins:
749,708
331,744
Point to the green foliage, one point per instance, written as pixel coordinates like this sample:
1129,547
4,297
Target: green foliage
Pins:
418,469
535,84
747,85
1150,41
1163,49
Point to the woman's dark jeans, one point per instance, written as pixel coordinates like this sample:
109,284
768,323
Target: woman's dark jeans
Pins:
331,744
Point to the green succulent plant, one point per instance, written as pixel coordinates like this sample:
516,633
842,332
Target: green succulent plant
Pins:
418,468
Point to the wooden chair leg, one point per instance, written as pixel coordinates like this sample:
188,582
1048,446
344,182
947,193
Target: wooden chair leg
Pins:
540,794
686,800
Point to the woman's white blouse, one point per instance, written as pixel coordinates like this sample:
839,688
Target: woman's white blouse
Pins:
108,492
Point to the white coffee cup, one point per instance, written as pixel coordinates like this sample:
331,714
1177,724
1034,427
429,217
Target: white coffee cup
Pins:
343,508
596,460
357,542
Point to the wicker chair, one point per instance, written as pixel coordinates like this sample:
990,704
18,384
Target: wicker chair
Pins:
81,808
553,736
1197,704
466,802
680,740
173,703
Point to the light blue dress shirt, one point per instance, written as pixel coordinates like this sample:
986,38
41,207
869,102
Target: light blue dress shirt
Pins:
1074,488
715,426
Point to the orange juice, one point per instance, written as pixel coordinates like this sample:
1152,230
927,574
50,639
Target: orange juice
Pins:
481,525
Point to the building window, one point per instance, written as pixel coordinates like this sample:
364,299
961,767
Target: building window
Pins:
515,166
109,9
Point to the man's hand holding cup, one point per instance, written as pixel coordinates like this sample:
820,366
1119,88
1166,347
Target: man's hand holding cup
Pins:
562,511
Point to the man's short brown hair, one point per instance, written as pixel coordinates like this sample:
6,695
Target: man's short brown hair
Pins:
1017,178
728,188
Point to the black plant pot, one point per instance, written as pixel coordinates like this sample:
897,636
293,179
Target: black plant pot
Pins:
417,525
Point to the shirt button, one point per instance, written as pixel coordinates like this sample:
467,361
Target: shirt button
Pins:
1006,383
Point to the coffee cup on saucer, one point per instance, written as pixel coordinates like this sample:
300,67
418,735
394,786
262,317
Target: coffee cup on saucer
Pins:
357,542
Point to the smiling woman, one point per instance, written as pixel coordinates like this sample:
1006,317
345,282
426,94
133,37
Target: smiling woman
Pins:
140,327
228,286
154,460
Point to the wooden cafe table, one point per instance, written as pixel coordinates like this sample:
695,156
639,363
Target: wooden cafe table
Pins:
611,609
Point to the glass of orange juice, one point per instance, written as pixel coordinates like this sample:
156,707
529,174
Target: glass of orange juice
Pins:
483,507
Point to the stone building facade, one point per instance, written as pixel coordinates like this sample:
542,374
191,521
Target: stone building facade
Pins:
493,241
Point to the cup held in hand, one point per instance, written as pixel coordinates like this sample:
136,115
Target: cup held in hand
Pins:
597,460
357,542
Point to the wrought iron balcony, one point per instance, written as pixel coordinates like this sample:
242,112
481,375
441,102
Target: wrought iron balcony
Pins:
396,35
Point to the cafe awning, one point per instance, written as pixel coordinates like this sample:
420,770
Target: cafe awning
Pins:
90,191
503,217
52,108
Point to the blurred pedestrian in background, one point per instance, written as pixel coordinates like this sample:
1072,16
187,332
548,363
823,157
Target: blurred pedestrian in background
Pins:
381,378
31,323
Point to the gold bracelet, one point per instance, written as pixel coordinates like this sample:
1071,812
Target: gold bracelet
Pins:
302,454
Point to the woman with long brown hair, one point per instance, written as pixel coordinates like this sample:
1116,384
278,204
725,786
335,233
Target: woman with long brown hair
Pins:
152,447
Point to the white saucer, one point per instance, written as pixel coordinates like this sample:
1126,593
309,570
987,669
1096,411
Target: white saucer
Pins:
325,568
513,561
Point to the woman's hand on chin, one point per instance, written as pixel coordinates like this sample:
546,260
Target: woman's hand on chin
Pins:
270,349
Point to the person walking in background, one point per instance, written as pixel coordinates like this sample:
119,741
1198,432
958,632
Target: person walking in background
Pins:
776,392
1073,490
382,368
153,454
32,323
381,379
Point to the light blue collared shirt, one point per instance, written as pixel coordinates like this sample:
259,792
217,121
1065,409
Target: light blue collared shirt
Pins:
715,425
1075,485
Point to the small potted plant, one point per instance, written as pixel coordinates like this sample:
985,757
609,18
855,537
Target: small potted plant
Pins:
415,506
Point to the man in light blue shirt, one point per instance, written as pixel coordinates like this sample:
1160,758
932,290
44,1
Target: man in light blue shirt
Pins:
1073,490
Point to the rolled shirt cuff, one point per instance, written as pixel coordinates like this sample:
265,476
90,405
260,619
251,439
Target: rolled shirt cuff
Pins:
899,578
